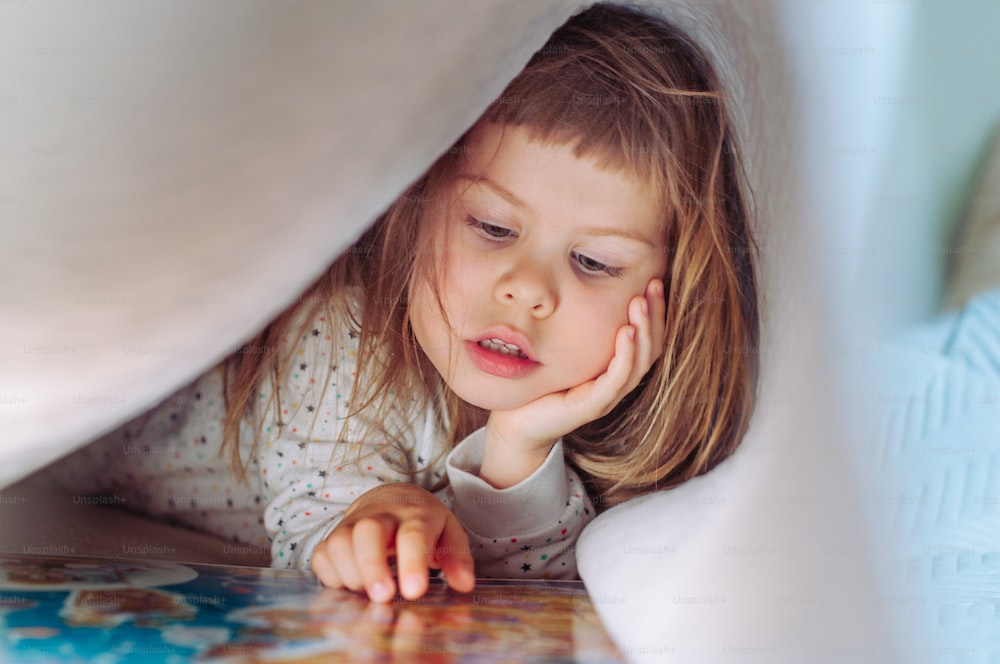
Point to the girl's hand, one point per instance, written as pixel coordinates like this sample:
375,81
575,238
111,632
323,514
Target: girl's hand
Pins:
400,519
535,426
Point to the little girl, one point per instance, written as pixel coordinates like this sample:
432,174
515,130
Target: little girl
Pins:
560,313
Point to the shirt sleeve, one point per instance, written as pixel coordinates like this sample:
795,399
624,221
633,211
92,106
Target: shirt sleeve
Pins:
311,467
528,530
310,501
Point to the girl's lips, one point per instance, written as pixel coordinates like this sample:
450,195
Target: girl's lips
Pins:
510,336
496,364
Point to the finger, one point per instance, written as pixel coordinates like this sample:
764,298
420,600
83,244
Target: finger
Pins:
322,566
413,546
341,553
455,557
622,364
639,317
655,294
371,555
607,389
646,314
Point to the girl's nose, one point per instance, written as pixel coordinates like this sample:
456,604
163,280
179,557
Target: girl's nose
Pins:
528,286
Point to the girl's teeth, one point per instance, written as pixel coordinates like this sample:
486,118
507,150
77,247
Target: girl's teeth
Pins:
499,346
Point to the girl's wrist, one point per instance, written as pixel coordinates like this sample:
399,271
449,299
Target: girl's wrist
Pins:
499,435
508,462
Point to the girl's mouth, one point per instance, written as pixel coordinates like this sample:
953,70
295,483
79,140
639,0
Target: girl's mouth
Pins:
502,347
500,359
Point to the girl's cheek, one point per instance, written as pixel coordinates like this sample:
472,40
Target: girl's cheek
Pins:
616,311
459,271
472,266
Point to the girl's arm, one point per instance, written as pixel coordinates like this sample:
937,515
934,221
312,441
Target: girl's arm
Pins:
341,507
515,495
308,475
305,500
525,530
517,438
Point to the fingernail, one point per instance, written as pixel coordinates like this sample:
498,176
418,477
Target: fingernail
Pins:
468,575
631,333
380,591
645,307
411,585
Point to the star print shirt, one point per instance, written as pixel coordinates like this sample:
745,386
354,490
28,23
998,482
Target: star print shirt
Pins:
311,471
165,463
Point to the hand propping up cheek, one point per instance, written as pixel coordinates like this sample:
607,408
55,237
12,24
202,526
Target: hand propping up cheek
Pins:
401,519
637,346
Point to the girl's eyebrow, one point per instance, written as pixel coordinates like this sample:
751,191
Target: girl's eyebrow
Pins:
497,189
595,231
612,231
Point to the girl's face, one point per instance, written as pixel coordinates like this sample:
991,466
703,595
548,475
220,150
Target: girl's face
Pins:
540,250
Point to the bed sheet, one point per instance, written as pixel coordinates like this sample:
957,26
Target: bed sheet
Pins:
937,444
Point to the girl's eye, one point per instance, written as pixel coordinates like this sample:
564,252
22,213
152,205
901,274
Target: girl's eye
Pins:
488,230
590,266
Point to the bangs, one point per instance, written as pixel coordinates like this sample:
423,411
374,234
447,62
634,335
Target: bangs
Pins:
639,105
592,121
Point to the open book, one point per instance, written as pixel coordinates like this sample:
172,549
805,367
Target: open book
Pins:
57,608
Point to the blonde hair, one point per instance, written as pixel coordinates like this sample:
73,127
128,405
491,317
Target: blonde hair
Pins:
635,93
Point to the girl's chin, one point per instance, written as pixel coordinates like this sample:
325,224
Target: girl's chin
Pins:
491,402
